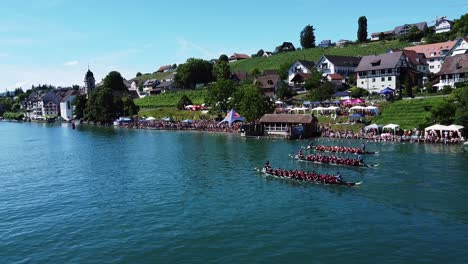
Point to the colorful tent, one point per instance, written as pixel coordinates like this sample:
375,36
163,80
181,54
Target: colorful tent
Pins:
232,117
387,90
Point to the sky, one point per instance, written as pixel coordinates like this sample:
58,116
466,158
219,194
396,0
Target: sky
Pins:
54,41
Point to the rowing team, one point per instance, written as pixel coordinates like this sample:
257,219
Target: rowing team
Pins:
332,159
303,176
339,149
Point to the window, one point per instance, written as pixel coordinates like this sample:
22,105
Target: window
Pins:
362,82
389,71
431,60
373,79
373,72
68,105
383,79
431,67
390,78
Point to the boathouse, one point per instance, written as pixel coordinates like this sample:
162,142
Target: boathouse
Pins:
290,126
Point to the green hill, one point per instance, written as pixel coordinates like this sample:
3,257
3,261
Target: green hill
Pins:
274,62
170,99
408,114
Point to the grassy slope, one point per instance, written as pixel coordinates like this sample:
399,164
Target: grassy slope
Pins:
170,99
174,114
274,62
408,114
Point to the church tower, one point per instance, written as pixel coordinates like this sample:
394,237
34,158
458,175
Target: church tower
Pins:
90,82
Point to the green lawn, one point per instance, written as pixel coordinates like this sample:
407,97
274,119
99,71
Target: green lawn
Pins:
170,99
408,114
274,62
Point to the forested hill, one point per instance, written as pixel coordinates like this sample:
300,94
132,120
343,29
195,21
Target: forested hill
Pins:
274,62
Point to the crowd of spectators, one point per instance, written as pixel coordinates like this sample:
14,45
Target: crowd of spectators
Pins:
198,125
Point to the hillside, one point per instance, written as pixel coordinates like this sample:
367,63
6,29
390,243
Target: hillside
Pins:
170,99
274,62
408,114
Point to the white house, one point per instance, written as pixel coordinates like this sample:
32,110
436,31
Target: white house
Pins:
460,47
454,70
299,66
442,25
343,65
66,105
434,53
377,72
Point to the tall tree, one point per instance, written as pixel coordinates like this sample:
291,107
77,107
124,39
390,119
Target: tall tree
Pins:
192,72
114,81
222,70
323,92
224,57
284,70
138,74
314,80
362,29
308,37
218,95
80,105
250,102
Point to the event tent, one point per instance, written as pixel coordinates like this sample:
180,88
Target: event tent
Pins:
372,126
188,121
387,90
456,127
232,117
438,127
167,119
393,127
151,119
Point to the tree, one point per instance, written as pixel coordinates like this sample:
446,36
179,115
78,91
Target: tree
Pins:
183,102
80,104
101,106
19,91
314,80
408,88
222,70
174,66
357,92
76,87
459,98
114,81
308,37
443,113
129,107
223,57
460,26
255,72
284,71
381,36
362,30
138,74
250,102
192,72
323,92
218,95
284,91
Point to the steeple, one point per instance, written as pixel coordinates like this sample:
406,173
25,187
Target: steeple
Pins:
90,82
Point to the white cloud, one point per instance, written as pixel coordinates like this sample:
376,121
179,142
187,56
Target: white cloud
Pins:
71,63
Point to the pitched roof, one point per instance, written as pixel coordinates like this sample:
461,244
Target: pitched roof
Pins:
164,68
346,61
335,76
388,32
455,64
267,82
286,118
435,49
150,82
165,84
270,72
239,56
420,26
239,76
385,61
68,94
415,58
308,64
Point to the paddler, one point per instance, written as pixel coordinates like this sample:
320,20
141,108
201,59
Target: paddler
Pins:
338,177
360,158
363,147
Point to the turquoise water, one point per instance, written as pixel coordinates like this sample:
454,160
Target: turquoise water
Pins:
104,195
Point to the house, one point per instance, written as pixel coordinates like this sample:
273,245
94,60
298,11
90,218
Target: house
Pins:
442,25
460,47
377,72
389,34
343,65
434,53
270,72
290,125
324,43
166,86
299,66
150,84
165,68
267,54
416,60
342,42
169,78
238,56
66,105
405,29
285,47
239,76
336,79
268,84
454,70
50,104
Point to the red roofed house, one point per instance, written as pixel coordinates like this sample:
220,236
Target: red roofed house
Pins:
238,56
434,53
165,68
336,79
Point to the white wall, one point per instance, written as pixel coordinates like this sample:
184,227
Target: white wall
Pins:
292,71
65,112
377,85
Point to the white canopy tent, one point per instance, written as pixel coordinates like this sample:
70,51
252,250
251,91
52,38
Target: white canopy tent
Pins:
357,107
456,127
437,127
151,119
393,127
299,109
372,126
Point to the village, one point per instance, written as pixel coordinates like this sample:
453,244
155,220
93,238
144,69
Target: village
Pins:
385,76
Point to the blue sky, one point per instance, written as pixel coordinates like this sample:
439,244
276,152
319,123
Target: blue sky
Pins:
53,41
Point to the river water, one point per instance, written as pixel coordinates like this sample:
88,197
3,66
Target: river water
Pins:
105,195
